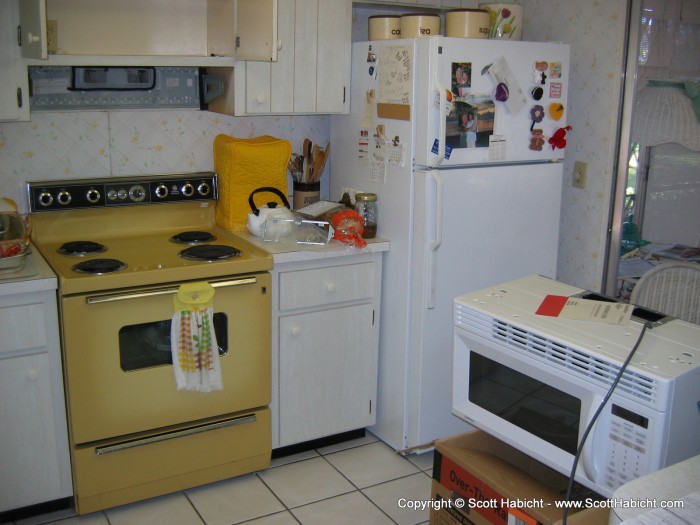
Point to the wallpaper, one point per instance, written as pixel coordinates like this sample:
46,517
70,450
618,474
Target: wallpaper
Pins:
595,29
95,143
82,144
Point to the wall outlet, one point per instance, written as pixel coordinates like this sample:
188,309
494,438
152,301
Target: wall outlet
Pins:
52,36
580,174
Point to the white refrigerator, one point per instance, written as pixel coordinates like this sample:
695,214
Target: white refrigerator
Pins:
466,202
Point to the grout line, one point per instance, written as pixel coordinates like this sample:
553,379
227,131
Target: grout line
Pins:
184,493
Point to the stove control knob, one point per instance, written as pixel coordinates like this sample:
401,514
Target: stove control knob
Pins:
63,197
137,193
187,190
45,198
204,189
122,194
93,196
162,191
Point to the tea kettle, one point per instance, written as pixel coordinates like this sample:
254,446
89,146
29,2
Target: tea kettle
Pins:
260,217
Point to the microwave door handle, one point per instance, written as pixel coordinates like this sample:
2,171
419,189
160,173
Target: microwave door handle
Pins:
435,243
590,468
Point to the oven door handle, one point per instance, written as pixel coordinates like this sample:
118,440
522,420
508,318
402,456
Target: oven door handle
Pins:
241,420
170,290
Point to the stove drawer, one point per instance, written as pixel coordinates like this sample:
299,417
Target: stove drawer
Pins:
328,285
107,474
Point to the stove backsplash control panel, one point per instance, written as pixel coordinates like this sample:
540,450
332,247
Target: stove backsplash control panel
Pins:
120,191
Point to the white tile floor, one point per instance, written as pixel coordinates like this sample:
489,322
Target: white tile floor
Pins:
356,482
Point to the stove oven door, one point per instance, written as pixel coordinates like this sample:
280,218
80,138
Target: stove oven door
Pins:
117,357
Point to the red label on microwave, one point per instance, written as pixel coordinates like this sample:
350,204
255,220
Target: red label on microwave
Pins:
552,305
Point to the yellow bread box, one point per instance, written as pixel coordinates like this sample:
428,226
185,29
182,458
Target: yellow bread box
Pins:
243,165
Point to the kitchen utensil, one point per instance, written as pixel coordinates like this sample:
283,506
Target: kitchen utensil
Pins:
307,163
259,216
319,164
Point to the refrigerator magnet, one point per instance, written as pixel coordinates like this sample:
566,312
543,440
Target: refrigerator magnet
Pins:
537,140
539,75
556,110
536,115
555,70
558,140
555,90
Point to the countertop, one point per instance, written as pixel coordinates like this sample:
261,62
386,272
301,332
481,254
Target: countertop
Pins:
36,276
286,252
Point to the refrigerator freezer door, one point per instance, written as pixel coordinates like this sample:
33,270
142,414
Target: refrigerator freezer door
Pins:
516,93
497,224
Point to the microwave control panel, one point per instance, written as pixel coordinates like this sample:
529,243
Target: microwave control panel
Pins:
629,440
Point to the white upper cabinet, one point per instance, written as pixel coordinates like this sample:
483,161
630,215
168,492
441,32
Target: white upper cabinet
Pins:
148,32
14,92
312,71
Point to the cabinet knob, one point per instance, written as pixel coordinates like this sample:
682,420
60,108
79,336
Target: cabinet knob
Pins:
279,45
261,98
296,331
32,375
330,287
32,38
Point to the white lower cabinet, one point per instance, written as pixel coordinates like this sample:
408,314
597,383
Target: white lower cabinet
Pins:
325,346
34,459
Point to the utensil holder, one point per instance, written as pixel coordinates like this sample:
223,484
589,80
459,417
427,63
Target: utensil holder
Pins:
306,193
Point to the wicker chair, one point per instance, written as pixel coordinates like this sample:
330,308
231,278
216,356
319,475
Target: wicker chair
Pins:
671,288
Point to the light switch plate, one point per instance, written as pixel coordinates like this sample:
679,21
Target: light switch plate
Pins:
580,175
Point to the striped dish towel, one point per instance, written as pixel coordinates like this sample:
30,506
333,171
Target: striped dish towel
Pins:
193,343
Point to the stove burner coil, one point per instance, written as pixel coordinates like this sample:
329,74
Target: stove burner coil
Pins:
81,248
209,252
193,237
99,266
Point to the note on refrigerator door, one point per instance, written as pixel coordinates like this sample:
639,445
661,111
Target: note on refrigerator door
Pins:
502,75
394,74
378,159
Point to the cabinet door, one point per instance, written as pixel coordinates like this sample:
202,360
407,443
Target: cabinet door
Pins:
328,373
312,71
306,44
29,466
333,56
33,16
14,102
256,30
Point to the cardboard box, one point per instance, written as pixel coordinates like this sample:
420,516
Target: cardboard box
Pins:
479,480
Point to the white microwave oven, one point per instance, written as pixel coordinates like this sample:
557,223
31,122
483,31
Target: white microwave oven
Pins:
535,382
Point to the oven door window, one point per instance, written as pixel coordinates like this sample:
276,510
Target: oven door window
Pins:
147,345
534,406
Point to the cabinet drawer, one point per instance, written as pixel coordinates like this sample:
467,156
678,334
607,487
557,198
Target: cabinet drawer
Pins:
23,327
321,286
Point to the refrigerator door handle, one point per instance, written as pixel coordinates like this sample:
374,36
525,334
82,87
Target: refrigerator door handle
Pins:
442,124
434,244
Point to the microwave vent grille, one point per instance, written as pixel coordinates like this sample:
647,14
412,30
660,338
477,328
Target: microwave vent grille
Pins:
576,361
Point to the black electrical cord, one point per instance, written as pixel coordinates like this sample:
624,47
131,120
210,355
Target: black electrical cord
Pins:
597,413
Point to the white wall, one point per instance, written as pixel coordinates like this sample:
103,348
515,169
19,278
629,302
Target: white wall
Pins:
595,29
